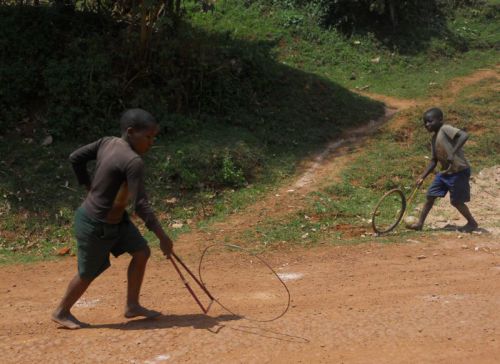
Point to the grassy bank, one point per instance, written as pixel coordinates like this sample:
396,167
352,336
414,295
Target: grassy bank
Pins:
394,158
410,64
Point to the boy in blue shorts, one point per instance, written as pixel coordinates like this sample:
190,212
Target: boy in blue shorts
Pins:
446,144
102,225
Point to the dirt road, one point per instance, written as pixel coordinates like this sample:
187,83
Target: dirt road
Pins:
414,302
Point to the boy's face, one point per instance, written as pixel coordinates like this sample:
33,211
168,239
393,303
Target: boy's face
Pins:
142,140
432,123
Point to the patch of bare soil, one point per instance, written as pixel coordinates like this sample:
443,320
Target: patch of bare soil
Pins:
320,170
429,299
484,205
458,84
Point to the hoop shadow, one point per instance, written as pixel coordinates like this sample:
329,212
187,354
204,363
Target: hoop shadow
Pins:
269,334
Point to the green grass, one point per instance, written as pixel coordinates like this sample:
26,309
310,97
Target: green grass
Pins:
363,60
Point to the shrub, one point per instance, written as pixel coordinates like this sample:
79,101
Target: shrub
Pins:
207,165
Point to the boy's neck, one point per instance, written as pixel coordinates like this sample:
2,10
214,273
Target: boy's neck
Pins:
439,128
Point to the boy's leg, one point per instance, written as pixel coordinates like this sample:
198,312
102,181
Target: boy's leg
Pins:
438,188
459,195
62,314
93,259
135,276
471,222
425,211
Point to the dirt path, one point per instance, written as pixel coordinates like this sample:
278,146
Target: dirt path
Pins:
321,170
424,300
325,168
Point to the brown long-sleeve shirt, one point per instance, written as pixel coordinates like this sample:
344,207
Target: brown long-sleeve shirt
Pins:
118,179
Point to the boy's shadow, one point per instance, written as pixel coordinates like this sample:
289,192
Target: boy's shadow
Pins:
453,227
200,321
197,321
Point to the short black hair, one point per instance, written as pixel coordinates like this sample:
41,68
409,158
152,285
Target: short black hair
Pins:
138,119
434,113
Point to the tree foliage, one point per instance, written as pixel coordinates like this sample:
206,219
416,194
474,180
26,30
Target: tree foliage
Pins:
77,75
141,16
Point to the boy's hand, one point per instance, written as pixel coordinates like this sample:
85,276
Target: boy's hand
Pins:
450,159
166,246
444,171
449,163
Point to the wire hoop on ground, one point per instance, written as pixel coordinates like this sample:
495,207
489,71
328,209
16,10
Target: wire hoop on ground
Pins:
389,211
248,253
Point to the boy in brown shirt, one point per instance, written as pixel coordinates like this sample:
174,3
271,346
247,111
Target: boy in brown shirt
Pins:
102,225
446,144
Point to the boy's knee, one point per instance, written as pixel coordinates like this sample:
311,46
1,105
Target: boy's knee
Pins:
146,251
457,204
143,254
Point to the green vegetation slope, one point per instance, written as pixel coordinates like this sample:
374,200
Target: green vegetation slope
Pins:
242,93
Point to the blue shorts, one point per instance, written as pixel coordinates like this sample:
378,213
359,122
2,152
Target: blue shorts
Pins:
456,183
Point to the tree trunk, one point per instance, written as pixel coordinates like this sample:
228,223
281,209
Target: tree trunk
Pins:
169,5
144,30
392,13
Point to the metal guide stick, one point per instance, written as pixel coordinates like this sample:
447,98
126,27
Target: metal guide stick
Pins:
202,286
186,284
410,199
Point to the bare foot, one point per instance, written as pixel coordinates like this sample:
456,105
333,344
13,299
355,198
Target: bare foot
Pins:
414,226
468,228
68,321
139,311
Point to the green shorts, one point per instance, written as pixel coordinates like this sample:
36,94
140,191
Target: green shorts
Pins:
96,239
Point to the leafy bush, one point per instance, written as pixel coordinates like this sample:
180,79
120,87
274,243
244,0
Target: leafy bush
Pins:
207,165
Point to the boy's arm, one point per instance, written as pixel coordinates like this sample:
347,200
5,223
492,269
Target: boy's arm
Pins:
433,163
79,159
135,180
459,140
430,167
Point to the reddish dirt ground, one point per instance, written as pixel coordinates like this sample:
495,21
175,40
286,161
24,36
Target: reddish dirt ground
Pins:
413,302
428,299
